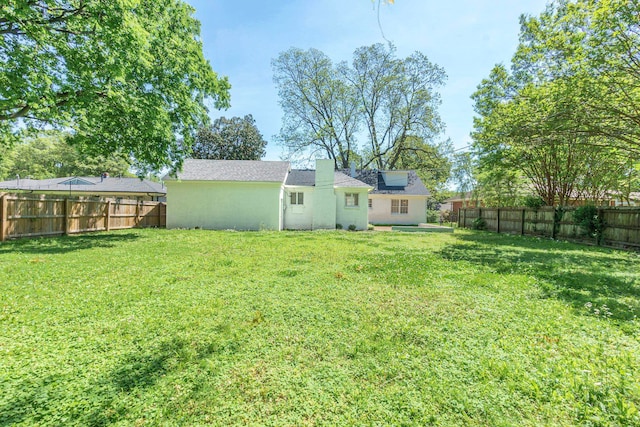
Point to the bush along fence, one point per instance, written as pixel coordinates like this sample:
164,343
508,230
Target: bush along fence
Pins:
32,216
612,227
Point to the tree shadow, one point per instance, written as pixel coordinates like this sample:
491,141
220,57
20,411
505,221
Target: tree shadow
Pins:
64,244
593,280
45,400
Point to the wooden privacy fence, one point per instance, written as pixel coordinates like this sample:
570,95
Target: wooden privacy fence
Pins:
622,224
32,216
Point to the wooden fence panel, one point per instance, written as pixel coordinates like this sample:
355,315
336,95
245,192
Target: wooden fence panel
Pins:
511,220
491,219
30,216
622,225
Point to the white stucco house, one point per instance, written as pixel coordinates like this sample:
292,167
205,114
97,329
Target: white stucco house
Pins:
398,197
255,195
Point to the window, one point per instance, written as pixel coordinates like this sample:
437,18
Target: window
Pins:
399,206
351,200
296,198
370,203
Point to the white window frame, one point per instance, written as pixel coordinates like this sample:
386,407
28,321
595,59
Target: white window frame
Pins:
351,200
399,206
296,198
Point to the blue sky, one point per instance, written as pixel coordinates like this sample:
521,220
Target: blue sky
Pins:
466,37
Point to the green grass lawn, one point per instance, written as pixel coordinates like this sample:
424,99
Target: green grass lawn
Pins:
157,327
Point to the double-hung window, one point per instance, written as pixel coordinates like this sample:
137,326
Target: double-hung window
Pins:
296,198
399,206
351,200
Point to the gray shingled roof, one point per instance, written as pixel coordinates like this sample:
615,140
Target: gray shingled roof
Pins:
307,177
232,170
93,185
414,186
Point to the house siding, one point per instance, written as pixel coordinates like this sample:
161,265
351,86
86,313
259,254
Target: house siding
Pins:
347,216
224,205
298,217
380,212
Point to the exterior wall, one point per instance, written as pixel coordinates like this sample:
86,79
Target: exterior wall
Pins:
380,212
298,217
324,210
224,205
358,216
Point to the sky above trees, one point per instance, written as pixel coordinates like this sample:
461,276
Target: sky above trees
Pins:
465,37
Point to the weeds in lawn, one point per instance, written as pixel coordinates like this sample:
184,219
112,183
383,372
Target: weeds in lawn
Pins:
169,327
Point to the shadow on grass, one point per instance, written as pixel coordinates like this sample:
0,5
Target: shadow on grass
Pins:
63,244
592,280
53,399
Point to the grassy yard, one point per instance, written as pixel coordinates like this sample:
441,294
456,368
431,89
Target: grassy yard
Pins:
157,327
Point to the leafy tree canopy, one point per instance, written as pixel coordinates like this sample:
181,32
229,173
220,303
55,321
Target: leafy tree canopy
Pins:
390,102
124,76
48,155
565,115
229,139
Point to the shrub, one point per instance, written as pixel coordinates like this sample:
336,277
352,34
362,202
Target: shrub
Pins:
591,223
338,226
533,202
479,224
352,227
432,215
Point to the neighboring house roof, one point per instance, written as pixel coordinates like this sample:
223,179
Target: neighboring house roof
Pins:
232,170
375,179
307,177
460,197
85,184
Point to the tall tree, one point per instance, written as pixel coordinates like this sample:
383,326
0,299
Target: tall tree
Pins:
320,109
393,100
397,99
558,116
598,44
125,76
48,155
230,139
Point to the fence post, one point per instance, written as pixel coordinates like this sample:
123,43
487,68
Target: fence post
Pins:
3,218
107,226
600,235
522,224
137,223
498,213
558,213
67,216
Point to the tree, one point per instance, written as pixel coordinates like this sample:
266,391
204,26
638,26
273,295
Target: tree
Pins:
397,100
394,100
124,76
431,162
320,108
49,156
230,139
554,116
597,43
463,172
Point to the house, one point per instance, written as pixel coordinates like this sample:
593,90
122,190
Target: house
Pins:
103,186
460,201
398,197
255,195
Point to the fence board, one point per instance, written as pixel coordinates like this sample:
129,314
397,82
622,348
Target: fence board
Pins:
31,216
622,224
